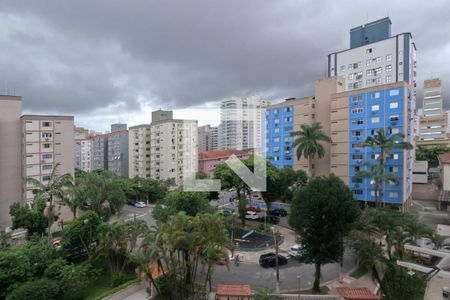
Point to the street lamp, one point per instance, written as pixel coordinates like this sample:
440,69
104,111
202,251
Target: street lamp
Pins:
275,232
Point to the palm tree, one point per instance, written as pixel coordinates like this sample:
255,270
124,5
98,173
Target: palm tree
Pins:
54,189
386,143
378,176
308,143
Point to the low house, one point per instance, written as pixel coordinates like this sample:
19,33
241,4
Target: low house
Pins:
420,171
444,162
356,293
207,161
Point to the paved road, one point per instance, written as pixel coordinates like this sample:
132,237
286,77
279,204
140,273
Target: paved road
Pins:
130,212
259,277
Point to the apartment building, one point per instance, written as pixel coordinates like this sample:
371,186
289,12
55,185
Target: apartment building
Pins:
139,151
375,57
173,144
46,141
355,115
433,119
207,138
10,155
110,150
241,123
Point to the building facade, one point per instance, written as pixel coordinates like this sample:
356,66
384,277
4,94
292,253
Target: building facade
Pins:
174,144
46,142
358,114
375,57
207,138
139,151
207,161
99,160
241,123
10,155
433,119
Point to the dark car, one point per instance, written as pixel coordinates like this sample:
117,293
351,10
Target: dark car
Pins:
271,219
281,212
269,260
131,202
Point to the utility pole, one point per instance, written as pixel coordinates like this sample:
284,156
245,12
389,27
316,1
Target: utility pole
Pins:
277,288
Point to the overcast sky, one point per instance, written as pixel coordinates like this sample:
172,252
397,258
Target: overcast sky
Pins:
108,61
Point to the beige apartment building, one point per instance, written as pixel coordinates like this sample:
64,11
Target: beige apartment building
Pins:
47,141
10,155
433,119
174,149
139,151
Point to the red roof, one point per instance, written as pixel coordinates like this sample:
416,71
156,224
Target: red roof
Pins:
234,290
356,293
221,154
445,158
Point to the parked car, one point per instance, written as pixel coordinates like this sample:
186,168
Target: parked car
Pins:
251,215
269,260
296,250
140,204
131,202
271,219
445,248
278,212
253,208
228,212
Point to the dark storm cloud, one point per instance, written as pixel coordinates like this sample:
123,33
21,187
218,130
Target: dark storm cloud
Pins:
81,56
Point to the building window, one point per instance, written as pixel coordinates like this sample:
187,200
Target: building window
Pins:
375,107
357,192
45,178
389,57
388,68
342,68
375,120
368,50
47,146
47,167
378,59
394,156
394,118
46,135
393,105
357,156
395,92
46,124
357,121
357,133
357,110
350,76
388,78
376,95
393,194
368,62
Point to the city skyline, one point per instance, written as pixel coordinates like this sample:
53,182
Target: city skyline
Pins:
169,66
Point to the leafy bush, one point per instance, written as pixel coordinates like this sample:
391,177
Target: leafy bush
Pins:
41,289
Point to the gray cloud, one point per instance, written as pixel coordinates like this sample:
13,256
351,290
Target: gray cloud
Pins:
78,57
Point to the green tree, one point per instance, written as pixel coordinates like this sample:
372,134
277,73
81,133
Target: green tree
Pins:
431,153
81,235
308,142
102,193
39,289
266,294
322,213
116,240
399,284
32,219
192,203
50,191
70,277
15,268
385,143
274,185
290,181
378,176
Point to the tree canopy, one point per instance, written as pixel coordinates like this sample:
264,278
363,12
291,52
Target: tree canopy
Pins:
322,213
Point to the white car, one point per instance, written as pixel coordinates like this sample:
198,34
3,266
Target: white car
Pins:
295,250
140,204
251,215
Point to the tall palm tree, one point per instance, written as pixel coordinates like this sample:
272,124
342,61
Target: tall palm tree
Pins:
54,189
386,143
378,176
308,142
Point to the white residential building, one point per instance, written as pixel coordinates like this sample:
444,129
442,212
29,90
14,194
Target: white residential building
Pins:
375,57
139,151
47,141
241,123
207,138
